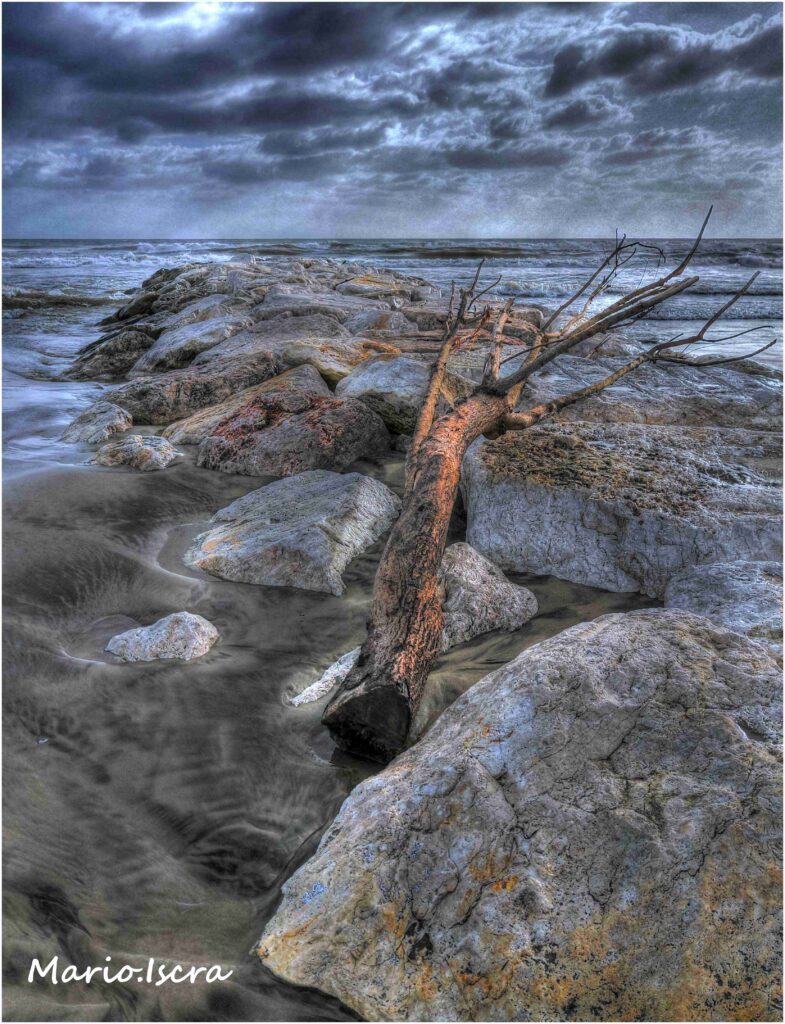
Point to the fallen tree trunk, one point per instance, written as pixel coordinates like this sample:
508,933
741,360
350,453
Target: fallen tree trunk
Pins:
372,712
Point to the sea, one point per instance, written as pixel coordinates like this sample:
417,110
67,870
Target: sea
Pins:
155,810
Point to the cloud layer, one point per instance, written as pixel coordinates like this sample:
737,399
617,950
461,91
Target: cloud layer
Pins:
272,120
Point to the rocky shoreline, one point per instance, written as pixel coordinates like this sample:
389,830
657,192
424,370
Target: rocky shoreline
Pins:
613,782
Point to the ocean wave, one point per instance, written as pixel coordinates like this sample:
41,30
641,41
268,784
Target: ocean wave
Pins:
34,298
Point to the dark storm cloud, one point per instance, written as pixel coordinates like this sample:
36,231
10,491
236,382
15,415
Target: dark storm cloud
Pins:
652,60
379,114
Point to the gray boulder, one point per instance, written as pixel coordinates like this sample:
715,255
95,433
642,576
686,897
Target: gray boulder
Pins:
592,832
288,430
177,346
622,506
110,356
716,396
742,596
201,424
137,451
166,397
182,635
478,597
384,321
298,532
98,423
395,388
276,335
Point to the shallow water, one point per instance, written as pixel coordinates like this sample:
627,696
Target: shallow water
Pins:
155,810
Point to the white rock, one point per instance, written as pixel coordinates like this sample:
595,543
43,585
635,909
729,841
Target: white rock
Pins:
181,635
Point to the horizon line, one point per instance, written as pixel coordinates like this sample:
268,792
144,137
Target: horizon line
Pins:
369,238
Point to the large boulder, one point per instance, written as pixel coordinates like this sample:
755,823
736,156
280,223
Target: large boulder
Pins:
743,596
592,832
298,532
622,507
287,430
98,423
110,356
196,428
182,635
476,598
717,396
137,451
276,335
395,388
177,346
166,397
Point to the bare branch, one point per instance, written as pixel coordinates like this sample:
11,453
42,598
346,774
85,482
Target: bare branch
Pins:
491,369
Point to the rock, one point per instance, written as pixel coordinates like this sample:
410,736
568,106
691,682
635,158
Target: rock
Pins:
622,506
743,596
181,635
97,423
479,598
717,396
395,388
301,301
386,285
167,397
382,321
298,532
334,675
276,336
178,346
110,356
196,428
335,359
142,452
476,598
592,832
286,430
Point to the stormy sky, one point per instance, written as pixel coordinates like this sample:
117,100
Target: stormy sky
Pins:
390,120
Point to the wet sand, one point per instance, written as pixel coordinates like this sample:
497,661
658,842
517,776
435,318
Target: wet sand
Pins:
154,810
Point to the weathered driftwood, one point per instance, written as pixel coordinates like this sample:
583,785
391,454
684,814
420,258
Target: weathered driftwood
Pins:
371,713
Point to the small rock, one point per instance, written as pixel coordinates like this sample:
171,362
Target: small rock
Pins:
479,598
334,675
138,451
301,531
111,356
97,423
182,635
743,596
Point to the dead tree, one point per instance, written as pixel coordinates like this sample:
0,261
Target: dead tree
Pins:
372,711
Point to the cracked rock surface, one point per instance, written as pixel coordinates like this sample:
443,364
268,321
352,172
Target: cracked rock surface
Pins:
623,506
592,832
743,596
301,531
